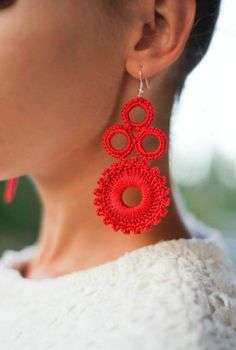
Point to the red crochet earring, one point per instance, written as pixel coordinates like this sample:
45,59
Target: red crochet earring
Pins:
133,172
10,190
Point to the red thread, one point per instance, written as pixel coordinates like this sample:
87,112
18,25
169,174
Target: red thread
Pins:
10,190
109,133
159,135
137,102
116,180
133,172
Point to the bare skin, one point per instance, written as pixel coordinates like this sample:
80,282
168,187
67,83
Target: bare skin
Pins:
65,83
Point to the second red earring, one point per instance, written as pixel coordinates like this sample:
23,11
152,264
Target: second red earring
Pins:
10,190
133,172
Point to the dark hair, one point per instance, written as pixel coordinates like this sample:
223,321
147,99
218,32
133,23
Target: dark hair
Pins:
200,37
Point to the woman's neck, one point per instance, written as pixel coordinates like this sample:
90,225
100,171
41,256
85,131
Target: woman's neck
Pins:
72,237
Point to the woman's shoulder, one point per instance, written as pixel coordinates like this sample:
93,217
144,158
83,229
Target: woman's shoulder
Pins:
186,293
177,294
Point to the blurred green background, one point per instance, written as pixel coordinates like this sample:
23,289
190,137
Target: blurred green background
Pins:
20,220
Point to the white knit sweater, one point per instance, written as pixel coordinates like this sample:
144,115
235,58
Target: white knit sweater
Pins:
172,295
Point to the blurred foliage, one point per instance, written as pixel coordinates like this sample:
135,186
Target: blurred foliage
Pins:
19,220
211,201
214,203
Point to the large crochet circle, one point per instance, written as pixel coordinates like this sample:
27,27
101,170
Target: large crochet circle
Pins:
119,177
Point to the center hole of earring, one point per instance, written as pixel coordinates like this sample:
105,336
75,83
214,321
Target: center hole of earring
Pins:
150,143
119,141
132,196
137,115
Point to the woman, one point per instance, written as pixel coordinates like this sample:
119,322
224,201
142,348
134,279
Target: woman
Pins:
67,69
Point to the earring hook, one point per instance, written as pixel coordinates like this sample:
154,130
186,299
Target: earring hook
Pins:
141,90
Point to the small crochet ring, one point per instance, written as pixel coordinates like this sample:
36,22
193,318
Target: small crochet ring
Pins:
159,135
109,133
137,102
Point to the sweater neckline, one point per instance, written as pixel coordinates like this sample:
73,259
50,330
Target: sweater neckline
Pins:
208,244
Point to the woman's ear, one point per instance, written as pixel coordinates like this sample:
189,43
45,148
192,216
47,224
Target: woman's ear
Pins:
159,37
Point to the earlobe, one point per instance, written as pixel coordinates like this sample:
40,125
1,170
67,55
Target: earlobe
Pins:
163,37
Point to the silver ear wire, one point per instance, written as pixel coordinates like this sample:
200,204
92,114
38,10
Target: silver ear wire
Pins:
141,90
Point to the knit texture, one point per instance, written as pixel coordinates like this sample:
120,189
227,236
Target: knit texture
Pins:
172,295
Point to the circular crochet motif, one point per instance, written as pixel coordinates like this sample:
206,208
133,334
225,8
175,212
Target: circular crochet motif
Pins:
109,133
159,135
115,180
137,102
